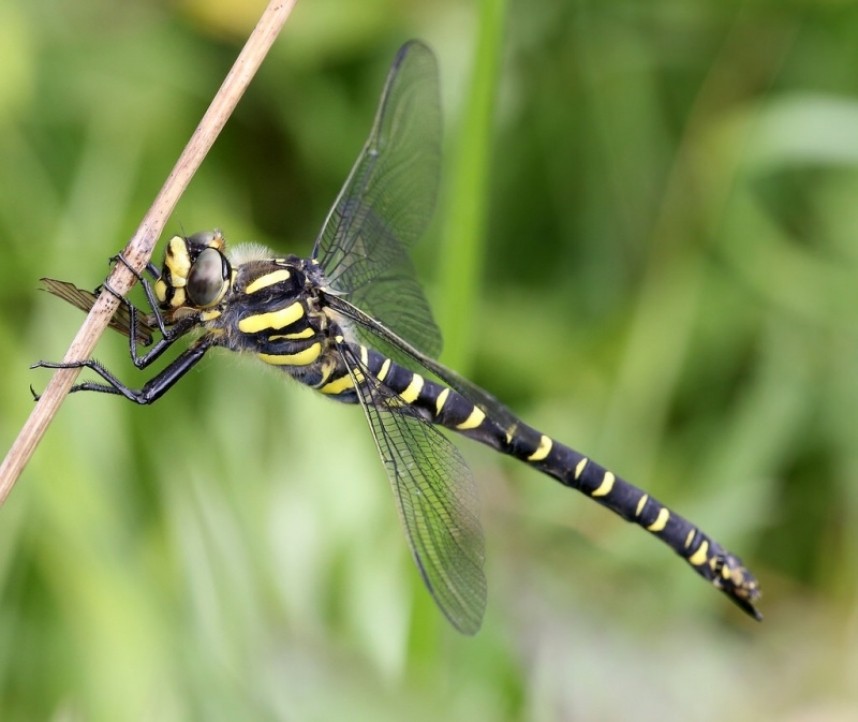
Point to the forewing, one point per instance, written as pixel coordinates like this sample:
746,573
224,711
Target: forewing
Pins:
387,202
84,300
436,498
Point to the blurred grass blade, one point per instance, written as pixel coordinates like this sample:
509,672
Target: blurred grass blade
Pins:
463,237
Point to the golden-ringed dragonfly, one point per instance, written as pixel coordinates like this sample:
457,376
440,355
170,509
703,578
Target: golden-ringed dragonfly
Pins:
351,321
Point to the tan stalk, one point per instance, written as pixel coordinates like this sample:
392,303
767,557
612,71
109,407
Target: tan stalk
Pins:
139,248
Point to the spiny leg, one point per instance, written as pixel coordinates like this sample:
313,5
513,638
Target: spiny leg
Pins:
170,331
150,392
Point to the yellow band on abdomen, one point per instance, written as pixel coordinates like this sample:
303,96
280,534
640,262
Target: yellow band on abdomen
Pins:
410,394
475,418
541,450
605,487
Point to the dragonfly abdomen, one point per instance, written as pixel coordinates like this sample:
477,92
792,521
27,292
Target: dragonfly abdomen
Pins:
435,402
571,468
445,406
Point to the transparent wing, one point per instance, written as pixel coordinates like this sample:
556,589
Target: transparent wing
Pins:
435,496
84,300
387,202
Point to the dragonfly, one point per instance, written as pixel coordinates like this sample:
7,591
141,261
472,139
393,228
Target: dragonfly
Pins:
352,322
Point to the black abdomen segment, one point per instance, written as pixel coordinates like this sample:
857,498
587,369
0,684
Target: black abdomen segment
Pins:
708,558
450,409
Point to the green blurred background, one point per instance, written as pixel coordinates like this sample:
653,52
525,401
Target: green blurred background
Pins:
647,245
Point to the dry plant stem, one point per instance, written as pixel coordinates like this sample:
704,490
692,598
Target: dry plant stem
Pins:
139,248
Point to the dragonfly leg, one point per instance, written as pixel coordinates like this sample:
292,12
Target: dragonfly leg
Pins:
150,268
147,288
150,392
168,335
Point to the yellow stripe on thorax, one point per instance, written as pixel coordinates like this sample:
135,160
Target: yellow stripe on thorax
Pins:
303,333
273,320
302,358
269,279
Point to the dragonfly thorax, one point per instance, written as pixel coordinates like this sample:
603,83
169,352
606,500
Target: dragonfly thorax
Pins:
274,309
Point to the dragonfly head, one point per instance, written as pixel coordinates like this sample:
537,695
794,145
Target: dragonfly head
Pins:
196,273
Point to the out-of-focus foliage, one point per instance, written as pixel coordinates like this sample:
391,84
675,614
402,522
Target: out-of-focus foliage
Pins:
668,281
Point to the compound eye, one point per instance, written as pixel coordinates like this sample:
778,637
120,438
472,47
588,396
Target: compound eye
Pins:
207,279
